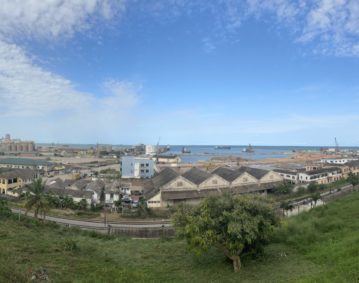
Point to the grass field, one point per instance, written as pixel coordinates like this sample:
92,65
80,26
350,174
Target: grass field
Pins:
319,246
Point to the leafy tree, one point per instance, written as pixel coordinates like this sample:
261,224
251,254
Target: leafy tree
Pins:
68,202
313,187
234,225
54,201
142,209
283,188
82,204
37,198
353,179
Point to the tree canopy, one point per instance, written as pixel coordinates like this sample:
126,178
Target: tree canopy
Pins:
234,225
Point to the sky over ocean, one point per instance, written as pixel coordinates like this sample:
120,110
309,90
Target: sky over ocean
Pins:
191,72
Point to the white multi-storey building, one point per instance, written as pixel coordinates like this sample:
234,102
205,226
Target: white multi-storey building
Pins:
136,167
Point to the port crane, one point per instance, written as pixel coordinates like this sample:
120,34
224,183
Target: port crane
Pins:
336,145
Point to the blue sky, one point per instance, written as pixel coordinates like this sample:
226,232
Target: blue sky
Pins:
191,72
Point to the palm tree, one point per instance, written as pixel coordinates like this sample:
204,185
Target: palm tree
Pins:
37,198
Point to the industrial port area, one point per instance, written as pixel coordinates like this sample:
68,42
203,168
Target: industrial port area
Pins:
162,176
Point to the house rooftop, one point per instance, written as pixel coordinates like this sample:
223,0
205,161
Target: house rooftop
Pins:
322,170
25,174
255,172
196,176
165,176
25,162
227,174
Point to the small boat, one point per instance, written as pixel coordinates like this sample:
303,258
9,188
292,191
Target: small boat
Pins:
185,150
249,149
222,147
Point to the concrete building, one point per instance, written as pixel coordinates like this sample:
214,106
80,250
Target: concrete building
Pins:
354,167
136,167
13,180
169,187
168,159
150,149
8,145
288,175
321,176
26,163
338,161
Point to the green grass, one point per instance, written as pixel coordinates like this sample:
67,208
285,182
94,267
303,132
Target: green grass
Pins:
319,246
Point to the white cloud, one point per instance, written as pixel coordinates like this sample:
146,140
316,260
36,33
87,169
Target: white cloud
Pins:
332,25
35,99
31,95
53,18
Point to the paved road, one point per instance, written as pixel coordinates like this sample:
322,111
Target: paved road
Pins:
98,225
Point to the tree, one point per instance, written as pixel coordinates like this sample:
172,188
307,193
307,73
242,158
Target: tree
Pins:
5,211
285,205
353,179
283,188
82,205
315,198
234,225
142,209
313,187
102,196
37,198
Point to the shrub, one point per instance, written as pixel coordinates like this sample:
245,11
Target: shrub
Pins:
70,245
5,211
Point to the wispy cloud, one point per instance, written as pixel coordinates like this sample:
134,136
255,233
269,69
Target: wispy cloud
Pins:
331,25
53,18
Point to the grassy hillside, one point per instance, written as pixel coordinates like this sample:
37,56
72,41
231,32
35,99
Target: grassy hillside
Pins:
319,246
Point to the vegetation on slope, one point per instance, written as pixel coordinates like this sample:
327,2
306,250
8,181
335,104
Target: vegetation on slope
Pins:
319,246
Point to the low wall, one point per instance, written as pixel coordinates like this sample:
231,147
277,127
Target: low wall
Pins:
140,232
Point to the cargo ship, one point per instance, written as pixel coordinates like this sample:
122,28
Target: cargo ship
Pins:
222,147
249,149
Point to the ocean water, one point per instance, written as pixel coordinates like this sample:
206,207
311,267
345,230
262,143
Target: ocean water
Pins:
206,152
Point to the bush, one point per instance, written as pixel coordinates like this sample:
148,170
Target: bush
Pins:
70,245
313,187
5,211
284,188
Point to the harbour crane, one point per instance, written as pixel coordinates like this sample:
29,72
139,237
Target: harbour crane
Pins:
336,145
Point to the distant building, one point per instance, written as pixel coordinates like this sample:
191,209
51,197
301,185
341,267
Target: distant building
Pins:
150,149
338,160
321,176
26,163
290,176
168,159
136,167
8,145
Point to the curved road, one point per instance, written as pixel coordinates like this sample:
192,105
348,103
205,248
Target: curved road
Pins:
98,225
